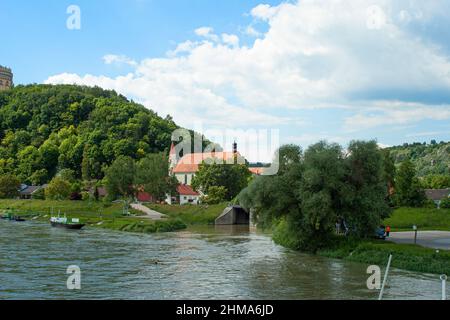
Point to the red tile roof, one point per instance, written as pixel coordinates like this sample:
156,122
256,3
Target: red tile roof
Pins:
144,197
190,162
185,190
256,171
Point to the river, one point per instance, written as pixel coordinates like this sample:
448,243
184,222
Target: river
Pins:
202,263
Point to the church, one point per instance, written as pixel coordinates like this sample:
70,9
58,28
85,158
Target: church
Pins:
184,169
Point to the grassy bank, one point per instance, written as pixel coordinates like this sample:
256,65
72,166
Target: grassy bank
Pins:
190,214
405,256
402,219
93,214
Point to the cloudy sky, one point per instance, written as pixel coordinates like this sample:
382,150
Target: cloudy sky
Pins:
313,69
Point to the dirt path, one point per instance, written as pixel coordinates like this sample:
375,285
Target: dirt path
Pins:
150,214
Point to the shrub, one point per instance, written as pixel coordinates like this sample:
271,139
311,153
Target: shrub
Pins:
445,203
9,186
58,189
215,195
430,204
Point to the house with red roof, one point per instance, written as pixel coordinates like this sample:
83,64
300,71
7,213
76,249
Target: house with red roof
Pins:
185,195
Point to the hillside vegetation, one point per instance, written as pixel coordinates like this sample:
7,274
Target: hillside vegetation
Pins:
46,128
429,159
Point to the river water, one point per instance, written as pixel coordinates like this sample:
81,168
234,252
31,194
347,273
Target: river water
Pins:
205,263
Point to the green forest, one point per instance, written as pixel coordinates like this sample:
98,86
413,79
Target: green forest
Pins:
45,129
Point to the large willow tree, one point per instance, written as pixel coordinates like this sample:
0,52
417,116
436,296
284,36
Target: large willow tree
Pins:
312,191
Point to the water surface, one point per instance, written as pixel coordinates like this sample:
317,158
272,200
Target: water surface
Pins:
202,263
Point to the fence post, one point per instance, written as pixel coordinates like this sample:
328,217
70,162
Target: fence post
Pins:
444,292
385,277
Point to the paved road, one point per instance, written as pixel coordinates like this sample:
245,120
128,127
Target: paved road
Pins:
431,239
150,214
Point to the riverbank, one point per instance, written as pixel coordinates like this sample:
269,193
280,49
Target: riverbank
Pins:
376,252
95,214
191,214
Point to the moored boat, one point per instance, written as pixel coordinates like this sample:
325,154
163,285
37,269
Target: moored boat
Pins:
11,217
73,224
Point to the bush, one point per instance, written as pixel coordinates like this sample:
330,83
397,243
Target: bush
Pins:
445,203
58,189
85,196
429,204
9,186
215,195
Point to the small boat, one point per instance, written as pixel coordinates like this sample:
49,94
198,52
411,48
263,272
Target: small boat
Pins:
73,224
10,217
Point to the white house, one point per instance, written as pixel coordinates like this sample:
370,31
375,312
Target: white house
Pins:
185,195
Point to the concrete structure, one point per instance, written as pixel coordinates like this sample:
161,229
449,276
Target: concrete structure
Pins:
234,215
437,195
6,78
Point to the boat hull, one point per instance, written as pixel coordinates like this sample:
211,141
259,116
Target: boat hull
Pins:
67,226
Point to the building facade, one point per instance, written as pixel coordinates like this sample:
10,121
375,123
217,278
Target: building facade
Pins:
6,78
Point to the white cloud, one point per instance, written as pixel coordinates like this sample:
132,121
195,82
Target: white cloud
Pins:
207,32
251,31
230,39
396,113
264,11
118,59
315,54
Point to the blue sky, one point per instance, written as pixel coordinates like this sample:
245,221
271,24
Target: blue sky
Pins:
313,69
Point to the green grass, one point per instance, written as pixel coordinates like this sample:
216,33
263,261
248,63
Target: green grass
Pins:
403,219
93,214
404,256
191,214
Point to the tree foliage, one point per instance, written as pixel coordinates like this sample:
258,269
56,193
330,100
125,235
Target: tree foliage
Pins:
408,189
58,189
120,177
152,175
315,189
215,195
45,129
427,158
233,177
9,186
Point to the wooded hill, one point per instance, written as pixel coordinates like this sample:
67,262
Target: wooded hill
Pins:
429,158
46,128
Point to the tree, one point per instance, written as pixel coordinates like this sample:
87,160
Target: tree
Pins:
408,189
320,195
215,195
58,189
365,188
389,170
9,186
120,177
312,192
153,174
233,177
